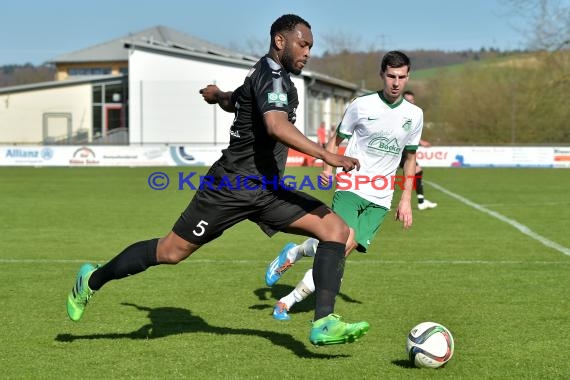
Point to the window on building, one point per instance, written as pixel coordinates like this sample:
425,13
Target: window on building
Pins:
114,93
315,112
97,94
337,110
109,110
97,121
81,71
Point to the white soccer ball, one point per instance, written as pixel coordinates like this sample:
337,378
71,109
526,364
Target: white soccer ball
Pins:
429,345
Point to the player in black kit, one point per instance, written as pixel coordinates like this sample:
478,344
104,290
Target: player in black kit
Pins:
245,185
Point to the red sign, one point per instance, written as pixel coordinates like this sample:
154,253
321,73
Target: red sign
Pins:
296,158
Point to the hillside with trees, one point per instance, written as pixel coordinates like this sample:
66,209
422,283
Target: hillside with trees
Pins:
521,99
469,98
475,98
15,75
362,67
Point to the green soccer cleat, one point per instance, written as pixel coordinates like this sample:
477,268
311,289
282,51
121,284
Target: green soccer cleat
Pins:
331,330
80,294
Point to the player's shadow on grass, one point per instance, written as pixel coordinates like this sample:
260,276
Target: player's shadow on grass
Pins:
404,364
277,291
166,321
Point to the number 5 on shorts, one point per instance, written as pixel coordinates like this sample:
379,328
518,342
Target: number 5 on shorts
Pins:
200,228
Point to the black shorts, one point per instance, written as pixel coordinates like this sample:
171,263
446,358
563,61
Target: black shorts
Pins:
214,210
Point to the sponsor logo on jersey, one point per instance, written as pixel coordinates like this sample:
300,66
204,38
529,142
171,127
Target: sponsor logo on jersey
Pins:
384,145
407,124
277,97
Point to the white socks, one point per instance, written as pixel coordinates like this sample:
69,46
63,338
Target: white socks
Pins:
303,289
308,249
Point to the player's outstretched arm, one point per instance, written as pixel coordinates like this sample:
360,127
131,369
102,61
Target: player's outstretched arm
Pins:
213,95
279,127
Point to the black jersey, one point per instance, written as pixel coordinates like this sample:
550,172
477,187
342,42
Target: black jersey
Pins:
252,151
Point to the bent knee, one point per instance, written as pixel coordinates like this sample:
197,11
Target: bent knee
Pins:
171,257
339,232
173,250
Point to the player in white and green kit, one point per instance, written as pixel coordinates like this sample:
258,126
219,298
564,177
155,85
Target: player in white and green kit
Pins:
379,127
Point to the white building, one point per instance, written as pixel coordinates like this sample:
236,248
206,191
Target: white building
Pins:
143,89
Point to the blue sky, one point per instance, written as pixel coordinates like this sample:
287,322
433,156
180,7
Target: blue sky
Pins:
36,31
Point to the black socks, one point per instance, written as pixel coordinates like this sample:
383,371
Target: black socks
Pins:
328,269
134,259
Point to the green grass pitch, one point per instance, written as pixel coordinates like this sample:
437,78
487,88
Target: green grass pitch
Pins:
503,293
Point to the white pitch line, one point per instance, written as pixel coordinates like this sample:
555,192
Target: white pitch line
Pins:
349,262
455,262
519,226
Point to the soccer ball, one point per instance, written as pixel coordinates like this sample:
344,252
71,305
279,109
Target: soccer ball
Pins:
429,345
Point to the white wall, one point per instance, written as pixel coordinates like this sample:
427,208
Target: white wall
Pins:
165,106
21,113
299,83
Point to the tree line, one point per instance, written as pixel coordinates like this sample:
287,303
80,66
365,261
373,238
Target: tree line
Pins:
477,98
15,75
520,100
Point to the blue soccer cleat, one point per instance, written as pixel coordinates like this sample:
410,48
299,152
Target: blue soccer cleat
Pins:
278,266
280,312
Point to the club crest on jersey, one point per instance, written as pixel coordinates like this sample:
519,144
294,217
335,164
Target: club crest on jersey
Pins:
407,124
277,98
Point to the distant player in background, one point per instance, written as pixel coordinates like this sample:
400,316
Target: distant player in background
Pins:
423,204
371,123
322,134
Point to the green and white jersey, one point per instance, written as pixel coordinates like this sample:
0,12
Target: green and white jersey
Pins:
378,133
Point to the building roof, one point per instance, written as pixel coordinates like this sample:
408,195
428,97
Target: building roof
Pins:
312,75
245,61
114,50
330,80
170,41
60,83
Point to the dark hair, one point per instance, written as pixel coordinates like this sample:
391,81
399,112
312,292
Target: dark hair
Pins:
394,59
408,92
286,23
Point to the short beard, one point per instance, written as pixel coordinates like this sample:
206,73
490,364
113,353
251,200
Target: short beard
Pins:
288,64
